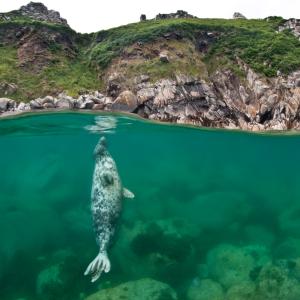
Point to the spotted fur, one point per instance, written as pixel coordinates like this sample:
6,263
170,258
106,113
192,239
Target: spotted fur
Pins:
106,204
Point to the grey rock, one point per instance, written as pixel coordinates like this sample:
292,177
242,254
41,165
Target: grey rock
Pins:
145,94
183,79
38,11
4,104
143,18
238,15
126,101
87,104
35,104
146,289
99,106
8,89
163,57
64,103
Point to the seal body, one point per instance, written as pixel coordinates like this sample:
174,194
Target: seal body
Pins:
106,204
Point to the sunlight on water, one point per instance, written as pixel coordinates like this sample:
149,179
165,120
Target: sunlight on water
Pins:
216,214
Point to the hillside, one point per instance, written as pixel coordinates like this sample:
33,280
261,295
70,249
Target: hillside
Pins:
146,66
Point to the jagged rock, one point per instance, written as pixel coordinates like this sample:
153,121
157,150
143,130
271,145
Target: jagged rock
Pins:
293,25
87,104
4,104
178,14
143,18
238,15
146,289
40,12
99,106
7,89
163,57
113,85
183,79
107,100
64,103
142,79
35,104
166,92
145,94
23,106
47,99
126,101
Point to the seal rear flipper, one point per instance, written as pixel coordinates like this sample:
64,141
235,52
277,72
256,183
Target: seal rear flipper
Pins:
127,193
97,266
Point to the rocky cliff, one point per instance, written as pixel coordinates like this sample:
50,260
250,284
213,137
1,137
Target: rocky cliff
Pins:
237,73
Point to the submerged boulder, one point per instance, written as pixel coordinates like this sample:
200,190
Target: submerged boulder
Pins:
146,289
206,289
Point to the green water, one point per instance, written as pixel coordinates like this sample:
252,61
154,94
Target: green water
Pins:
208,205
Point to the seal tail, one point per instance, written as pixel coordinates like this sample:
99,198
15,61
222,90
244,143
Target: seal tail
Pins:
97,266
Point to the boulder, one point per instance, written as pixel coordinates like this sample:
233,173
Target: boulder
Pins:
143,18
87,104
145,289
205,289
64,103
35,104
99,106
238,15
145,95
23,106
4,104
163,57
8,88
126,101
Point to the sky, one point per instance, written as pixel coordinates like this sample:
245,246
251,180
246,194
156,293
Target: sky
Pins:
94,15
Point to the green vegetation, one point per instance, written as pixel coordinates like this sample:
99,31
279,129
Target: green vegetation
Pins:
64,74
254,41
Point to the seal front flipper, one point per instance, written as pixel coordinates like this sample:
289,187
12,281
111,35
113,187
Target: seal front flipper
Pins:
127,193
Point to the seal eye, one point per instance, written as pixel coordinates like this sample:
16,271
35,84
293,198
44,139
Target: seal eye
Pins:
108,179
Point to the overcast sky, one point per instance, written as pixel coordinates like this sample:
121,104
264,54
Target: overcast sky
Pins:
94,15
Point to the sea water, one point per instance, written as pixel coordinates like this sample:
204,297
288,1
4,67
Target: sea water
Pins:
215,212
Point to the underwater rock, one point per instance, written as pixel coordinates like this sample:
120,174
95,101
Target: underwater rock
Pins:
230,265
242,291
206,289
146,289
53,281
160,248
275,283
49,279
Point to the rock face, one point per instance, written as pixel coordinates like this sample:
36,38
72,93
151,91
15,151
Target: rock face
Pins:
38,11
293,25
143,18
178,14
238,15
146,289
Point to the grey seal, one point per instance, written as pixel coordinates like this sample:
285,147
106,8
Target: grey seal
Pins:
106,205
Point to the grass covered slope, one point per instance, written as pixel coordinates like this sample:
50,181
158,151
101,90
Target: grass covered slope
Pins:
43,58
257,42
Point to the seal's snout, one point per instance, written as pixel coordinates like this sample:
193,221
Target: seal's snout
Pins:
101,146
